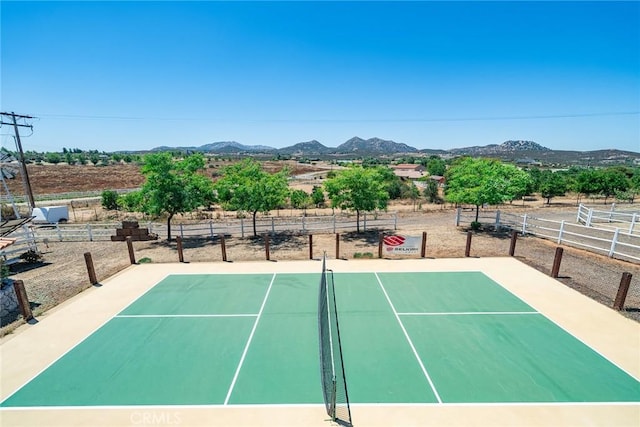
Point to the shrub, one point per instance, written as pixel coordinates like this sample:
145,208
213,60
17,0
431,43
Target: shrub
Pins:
475,225
110,200
31,256
4,270
363,255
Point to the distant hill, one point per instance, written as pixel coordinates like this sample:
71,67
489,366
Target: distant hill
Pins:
232,147
373,146
513,150
306,149
505,147
221,147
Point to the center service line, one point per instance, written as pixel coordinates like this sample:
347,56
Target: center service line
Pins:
246,347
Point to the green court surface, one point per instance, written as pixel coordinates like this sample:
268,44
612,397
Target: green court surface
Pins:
229,339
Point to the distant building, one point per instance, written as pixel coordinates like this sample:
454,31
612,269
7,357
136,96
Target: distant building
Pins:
438,178
409,170
528,162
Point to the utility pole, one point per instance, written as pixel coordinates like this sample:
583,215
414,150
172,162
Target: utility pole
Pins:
23,165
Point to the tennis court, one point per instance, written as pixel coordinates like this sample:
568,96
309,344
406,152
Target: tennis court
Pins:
425,342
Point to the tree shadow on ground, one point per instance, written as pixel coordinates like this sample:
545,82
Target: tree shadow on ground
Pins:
280,240
369,236
23,267
490,231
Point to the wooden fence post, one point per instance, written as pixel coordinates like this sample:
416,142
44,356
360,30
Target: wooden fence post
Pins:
423,249
556,263
23,300
337,245
625,281
223,246
180,252
512,246
132,256
92,271
467,250
266,246
310,246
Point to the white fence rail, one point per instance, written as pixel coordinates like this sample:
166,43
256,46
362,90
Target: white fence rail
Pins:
75,232
613,242
25,241
305,224
624,219
229,227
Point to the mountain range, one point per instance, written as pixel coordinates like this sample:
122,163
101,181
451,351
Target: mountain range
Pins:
356,146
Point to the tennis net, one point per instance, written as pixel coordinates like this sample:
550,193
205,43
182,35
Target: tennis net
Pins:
334,383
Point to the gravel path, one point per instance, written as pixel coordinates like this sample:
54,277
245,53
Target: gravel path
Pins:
62,274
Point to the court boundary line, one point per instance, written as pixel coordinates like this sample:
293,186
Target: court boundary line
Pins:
313,405
470,313
93,331
598,352
415,352
246,347
153,316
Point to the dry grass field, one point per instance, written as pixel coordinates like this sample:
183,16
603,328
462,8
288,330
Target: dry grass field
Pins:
62,178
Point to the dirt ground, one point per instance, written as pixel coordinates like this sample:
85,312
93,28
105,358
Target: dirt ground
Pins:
63,272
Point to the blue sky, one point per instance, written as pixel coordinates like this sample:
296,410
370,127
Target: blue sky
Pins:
137,75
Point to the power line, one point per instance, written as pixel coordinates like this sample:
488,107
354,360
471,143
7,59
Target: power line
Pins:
348,120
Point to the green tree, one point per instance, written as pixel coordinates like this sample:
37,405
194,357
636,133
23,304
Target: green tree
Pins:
611,181
551,184
174,187
317,196
410,191
131,201
483,181
586,183
431,191
110,199
436,166
357,189
300,199
68,157
244,186
53,158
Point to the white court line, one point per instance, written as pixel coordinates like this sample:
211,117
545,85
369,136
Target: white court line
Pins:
76,345
184,315
140,407
311,405
415,352
246,347
469,313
